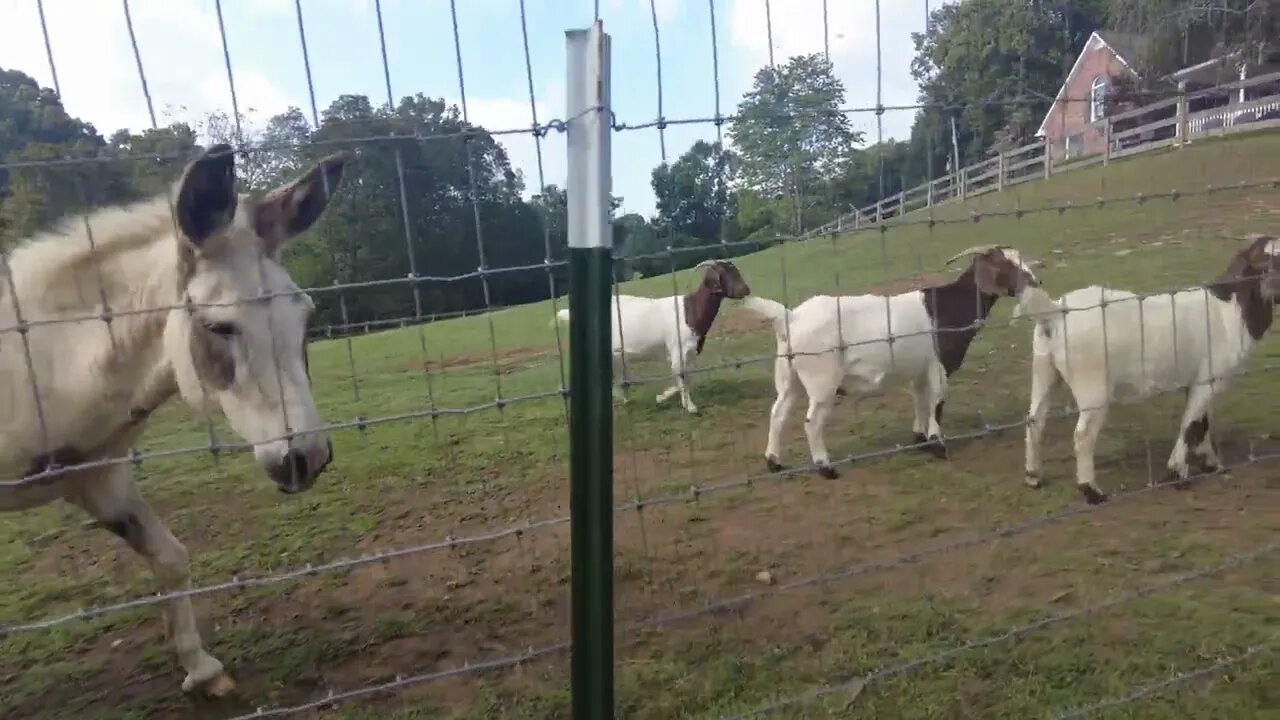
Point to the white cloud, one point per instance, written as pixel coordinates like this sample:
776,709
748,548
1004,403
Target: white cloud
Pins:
507,113
797,28
181,54
667,10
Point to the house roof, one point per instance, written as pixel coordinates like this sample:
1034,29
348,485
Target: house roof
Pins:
1128,44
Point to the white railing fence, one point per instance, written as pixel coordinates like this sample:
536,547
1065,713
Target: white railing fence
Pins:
1042,159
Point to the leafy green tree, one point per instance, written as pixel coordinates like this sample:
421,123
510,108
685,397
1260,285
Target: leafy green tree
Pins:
1179,33
693,195
36,129
156,156
789,130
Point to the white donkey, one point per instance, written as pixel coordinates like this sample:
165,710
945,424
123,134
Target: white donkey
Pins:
201,307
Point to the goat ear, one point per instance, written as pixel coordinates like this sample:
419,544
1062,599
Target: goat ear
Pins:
713,276
293,207
986,272
1257,253
206,198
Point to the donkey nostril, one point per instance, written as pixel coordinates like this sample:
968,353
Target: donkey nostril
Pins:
297,466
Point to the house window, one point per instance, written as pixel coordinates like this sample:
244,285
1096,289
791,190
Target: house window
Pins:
1098,99
1073,145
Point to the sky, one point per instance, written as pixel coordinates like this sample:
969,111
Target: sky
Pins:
186,70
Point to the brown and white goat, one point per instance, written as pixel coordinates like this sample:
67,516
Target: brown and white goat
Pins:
920,336
678,323
1108,344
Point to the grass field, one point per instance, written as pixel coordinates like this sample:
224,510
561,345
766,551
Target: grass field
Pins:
408,483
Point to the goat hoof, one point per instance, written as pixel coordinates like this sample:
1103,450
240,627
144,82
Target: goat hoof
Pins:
219,687
1033,480
840,391
919,442
1093,495
773,465
936,448
827,472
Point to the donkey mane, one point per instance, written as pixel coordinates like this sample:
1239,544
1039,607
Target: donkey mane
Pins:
71,266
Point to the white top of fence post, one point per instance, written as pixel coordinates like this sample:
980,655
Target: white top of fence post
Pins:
588,128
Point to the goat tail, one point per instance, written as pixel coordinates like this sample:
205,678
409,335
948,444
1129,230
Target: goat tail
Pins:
775,311
562,317
1036,304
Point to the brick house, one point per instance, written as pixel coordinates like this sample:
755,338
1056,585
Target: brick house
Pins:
1073,125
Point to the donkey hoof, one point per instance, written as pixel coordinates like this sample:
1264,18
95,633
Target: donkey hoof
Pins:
827,472
773,465
1093,495
1033,480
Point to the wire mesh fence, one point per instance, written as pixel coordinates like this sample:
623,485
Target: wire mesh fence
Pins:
427,390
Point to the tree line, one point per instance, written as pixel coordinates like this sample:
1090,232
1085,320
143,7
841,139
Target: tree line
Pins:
436,198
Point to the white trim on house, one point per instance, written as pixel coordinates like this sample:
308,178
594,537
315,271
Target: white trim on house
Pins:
1098,98
1088,45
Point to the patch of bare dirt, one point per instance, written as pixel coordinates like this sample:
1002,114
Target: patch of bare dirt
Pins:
506,360
434,611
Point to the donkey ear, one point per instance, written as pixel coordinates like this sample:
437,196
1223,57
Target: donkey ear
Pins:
206,200
290,209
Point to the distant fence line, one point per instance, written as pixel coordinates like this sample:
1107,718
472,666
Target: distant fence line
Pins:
1043,159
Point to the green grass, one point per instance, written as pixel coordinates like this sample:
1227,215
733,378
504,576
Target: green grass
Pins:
406,483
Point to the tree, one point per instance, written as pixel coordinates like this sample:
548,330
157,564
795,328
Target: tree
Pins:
790,131
156,156
994,67
36,129
1179,33
693,194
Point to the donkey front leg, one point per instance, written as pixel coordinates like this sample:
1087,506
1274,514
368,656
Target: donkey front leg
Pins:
114,501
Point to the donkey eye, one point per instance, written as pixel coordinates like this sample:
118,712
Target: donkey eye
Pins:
221,329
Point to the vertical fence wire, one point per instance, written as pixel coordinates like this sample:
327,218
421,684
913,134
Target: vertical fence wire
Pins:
483,271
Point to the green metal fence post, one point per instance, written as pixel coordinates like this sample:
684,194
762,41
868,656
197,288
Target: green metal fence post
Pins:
589,186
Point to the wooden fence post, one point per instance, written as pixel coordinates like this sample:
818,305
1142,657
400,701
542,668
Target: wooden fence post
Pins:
928,194
1106,137
1047,154
1000,171
1181,126
964,190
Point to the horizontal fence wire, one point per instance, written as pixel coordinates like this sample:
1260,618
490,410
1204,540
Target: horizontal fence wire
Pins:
972,217
543,129
24,327
1013,635
694,495
738,603
1174,680
362,423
